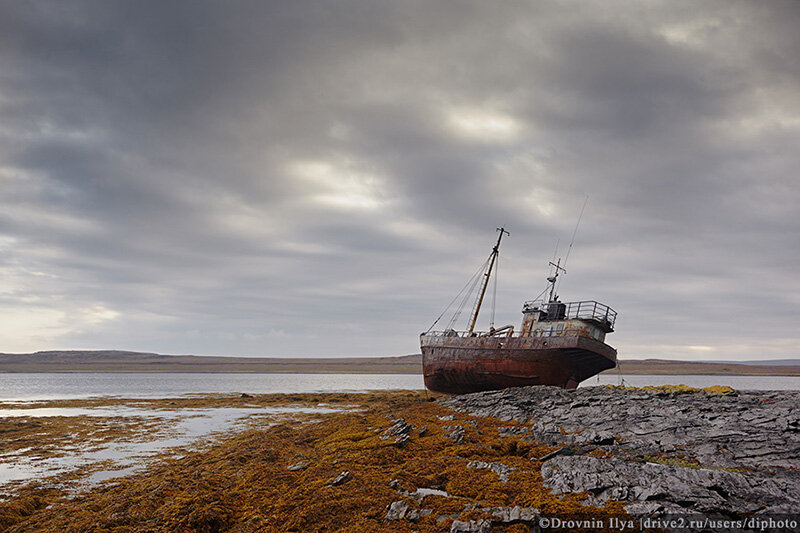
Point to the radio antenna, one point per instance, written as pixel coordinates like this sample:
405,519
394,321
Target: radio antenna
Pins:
576,230
554,280
555,252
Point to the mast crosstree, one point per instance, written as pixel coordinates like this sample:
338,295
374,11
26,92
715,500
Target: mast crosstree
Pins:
554,279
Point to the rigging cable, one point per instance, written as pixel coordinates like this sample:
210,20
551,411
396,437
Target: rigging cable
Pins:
486,273
555,252
471,280
575,232
475,281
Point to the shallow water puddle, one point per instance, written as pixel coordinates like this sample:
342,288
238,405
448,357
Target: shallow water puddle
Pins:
93,461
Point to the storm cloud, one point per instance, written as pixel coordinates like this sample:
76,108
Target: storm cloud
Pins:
321,178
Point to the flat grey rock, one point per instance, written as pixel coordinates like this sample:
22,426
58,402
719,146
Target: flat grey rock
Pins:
670,451
341,479
500,469
301,465
479,526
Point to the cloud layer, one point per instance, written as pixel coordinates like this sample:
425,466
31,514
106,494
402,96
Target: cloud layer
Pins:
317,178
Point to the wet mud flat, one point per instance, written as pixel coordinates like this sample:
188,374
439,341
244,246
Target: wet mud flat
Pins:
82,442
410,461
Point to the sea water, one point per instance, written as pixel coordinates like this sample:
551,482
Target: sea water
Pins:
56,386
52,386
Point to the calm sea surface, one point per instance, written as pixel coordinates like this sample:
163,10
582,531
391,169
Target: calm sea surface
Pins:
36,386
41,386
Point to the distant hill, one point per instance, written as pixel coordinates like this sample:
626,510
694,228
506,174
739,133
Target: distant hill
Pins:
768,362
663,367
122,361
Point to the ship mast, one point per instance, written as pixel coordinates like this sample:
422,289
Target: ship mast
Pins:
487,275
554,278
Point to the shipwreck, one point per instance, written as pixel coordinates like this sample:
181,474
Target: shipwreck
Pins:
559,343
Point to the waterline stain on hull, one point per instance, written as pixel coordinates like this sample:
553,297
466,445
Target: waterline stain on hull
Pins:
458,365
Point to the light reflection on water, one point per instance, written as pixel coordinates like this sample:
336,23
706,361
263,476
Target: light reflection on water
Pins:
186,427
47,386
51,386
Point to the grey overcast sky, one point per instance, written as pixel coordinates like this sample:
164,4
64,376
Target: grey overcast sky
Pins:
305,178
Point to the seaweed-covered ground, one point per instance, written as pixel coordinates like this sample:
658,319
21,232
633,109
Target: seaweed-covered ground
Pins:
394,461
403,461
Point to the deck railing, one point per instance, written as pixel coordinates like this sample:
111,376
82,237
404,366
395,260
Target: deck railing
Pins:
547,332
583,310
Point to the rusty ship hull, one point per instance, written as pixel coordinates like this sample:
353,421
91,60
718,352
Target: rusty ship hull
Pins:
460,365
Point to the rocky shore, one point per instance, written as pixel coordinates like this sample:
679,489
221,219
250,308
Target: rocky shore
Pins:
511,461
663,450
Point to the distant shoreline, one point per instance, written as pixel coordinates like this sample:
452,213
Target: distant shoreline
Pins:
662,367
192,370
129,362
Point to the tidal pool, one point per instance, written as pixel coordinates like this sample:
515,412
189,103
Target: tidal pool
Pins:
58,446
